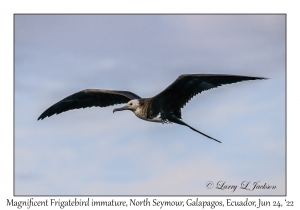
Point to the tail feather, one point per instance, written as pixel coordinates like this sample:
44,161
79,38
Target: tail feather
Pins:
175,119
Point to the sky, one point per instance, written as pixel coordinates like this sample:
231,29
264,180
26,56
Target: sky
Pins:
95,152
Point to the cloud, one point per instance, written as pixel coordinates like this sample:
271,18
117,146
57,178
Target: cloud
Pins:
93,151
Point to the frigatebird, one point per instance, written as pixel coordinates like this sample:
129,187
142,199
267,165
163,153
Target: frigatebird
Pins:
165,107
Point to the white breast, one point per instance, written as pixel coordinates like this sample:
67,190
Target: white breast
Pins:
140,115
156,119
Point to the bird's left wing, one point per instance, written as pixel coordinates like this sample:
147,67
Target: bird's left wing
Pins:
176,95
89,98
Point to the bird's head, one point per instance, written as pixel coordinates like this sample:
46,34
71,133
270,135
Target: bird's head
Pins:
131,105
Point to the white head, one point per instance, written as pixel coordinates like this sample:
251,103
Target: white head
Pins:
131,105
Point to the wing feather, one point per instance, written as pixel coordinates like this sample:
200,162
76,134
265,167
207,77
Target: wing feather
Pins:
185,87
89,98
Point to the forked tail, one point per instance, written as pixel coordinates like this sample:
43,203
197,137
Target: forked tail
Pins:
175,119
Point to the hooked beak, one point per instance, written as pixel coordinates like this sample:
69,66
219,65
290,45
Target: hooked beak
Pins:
121,109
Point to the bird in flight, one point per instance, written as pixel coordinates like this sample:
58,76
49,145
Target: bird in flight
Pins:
165,107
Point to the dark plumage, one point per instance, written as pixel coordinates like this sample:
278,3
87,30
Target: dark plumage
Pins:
88,98
164,107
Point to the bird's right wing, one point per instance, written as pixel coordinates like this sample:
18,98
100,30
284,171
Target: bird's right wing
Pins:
176,95
89,98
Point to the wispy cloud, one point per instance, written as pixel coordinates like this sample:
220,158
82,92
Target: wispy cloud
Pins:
93,151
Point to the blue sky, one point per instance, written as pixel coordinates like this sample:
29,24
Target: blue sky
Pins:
95,152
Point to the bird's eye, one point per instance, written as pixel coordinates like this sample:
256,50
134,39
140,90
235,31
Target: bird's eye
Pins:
130,104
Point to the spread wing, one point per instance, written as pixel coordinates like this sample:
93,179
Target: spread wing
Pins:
185,87
89,98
